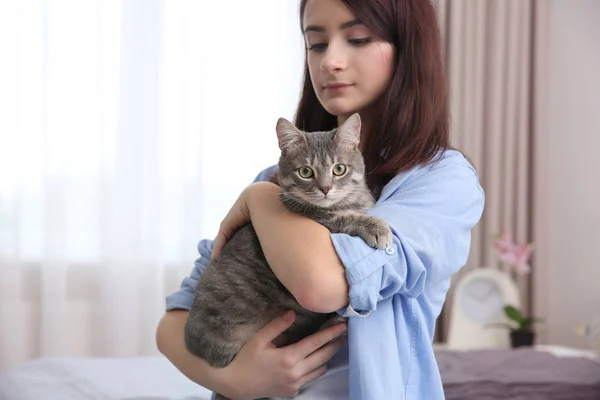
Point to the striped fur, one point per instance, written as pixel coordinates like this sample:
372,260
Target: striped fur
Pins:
238,293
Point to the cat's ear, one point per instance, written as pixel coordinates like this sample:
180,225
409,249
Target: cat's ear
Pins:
289,136
348,135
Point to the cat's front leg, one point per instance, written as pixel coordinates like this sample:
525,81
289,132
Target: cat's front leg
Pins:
375,231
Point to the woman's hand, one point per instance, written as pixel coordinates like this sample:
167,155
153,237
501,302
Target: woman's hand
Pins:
238,216
262,370
259,369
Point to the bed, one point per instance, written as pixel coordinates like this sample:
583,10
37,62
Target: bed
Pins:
138,378
540,373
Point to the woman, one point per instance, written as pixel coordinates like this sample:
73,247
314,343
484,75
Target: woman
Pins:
382,59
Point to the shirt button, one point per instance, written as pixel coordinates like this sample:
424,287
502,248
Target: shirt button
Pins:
390,250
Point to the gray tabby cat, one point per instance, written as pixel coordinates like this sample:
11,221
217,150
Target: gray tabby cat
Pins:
321,175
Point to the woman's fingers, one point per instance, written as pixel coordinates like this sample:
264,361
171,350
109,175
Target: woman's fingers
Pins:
311,376
274,328
237,216
299,351
321,356
220,241
315,365
281,372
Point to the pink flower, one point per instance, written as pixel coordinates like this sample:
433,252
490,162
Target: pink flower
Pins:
504,242
521,256
516,256
505,247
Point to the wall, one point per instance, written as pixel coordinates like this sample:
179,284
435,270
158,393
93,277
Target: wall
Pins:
568,289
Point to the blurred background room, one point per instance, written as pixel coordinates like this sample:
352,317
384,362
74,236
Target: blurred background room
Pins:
129,127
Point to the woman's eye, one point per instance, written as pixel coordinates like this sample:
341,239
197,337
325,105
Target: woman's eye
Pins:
305,172
317,47
361,41
339,169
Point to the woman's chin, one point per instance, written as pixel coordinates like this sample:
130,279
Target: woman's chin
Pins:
339,107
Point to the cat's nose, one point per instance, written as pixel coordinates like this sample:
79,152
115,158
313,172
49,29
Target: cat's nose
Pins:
325,189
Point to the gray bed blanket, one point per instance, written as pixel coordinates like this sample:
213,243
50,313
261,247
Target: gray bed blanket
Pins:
519,374
524,374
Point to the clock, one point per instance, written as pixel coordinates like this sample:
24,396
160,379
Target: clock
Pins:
478,302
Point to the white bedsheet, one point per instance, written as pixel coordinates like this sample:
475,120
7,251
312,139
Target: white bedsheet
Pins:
143,378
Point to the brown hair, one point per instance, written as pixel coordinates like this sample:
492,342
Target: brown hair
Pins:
411,116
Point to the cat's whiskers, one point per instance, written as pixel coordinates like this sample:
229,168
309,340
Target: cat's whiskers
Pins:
294,203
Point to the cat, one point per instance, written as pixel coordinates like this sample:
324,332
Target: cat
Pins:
321,176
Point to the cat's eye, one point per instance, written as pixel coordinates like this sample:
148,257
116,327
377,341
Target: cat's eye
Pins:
305,172
339,169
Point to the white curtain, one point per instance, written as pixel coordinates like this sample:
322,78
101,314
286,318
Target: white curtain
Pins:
127,129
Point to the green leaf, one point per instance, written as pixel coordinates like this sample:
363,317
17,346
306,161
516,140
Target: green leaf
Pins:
525,325
528,322
513,314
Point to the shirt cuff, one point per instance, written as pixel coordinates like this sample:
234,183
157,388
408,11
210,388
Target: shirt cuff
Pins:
183,298
361,261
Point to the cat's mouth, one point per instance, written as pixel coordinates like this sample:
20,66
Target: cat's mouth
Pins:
325,199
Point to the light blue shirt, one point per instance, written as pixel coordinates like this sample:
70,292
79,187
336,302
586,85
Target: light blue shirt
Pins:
396,294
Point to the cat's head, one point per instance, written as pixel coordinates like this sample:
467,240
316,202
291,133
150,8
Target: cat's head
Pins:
321,168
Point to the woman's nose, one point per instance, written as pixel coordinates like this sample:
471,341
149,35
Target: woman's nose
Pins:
334,59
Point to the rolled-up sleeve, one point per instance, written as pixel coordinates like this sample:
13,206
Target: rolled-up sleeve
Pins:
183,298
431,215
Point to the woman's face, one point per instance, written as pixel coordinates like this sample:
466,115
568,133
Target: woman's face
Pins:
349,68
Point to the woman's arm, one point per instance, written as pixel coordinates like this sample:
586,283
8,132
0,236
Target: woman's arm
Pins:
299,250
259,369
431,213
170,342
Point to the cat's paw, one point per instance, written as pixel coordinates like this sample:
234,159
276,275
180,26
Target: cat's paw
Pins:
377,233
